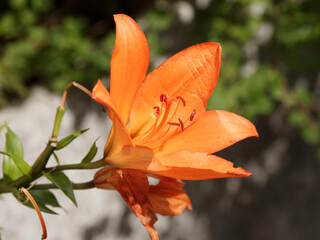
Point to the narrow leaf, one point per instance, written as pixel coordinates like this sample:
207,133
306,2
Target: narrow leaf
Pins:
13,164
10,170
62,181
91,154
56,158
42,207
45,196
67,140
13,144
22,166
42,197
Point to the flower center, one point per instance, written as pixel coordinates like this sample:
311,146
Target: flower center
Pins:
167,121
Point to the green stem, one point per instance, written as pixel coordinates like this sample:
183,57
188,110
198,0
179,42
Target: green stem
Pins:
42,160
92,165
77,186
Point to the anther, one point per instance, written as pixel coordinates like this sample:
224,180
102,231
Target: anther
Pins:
163,98
182,100
157,110
192,114
181,124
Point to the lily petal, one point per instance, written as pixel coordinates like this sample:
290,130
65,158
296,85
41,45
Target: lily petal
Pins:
129,63
168,197
191,74
120,135
212,132
195,166
101,178
133,187
138,157
102,96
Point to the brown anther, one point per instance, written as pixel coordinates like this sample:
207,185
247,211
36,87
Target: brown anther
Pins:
163,98
181,124
157,110
192,114
182,100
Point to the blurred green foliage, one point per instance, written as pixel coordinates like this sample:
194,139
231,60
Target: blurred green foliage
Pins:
270,64
36,46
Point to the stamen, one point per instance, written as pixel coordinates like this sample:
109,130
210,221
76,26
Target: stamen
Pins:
163,98
192,114
157,110
182,100
155,128
174,124
181,124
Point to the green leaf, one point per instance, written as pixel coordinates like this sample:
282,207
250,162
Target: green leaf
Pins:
13,164
91,154
10,170
22,166
42,197
13,144
62,181
45,196
67,140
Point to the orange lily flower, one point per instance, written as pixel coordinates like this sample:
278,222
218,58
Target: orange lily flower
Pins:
161,127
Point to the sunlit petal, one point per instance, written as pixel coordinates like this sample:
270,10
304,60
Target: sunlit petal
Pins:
138,157
195,166
119,136
212,132
191,74
129,63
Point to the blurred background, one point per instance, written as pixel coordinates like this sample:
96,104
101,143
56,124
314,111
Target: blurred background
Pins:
270,74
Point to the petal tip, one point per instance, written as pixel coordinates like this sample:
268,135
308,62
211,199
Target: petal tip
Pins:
119,15
239,172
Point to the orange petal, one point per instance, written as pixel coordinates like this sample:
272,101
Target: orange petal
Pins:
133,186
168,197
101,178
138,157
191,74
195,166
102,96
129,63
212,132
120,135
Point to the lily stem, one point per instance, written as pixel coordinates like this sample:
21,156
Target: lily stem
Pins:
92,165
77,186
